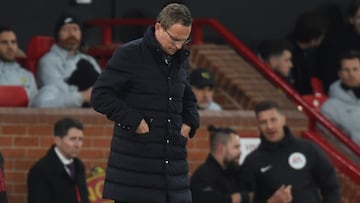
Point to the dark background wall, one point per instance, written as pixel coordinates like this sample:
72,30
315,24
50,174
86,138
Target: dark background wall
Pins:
250,20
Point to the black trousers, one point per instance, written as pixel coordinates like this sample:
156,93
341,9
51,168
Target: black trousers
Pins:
167,201
126,202
136,202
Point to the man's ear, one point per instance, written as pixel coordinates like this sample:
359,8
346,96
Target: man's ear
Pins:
273,61
57,140
351,20
283,117
339,73
157,26
221,149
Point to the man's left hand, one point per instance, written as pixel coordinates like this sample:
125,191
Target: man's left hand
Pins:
185,130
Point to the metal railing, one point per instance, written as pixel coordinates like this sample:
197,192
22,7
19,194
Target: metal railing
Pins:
197,38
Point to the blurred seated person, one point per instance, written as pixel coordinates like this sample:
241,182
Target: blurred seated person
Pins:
217,180
343,40
277,55
64,57
202,83
343,105
306,37
59,176
11,72
64,94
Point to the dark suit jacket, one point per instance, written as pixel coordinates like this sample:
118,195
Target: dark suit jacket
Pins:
3,196
48,181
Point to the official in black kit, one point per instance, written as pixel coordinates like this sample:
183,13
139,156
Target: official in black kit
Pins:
285,168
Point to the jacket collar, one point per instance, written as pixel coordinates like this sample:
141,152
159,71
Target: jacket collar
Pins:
8,65
355,90
61,52
215,164
149,39
57,162
212,161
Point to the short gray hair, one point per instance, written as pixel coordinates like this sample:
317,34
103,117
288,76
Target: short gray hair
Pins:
174,13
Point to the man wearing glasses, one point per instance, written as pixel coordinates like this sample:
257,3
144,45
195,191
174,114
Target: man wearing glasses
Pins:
145,90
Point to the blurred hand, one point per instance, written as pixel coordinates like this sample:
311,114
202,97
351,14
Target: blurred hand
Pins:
281,195
20,53
235,198
86,95
185,130
142,128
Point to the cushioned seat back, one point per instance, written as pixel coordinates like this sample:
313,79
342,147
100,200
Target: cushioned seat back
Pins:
13,96
36,48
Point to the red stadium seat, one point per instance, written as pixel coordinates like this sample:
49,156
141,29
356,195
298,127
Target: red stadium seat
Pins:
315,100
317,85
36,48
13,96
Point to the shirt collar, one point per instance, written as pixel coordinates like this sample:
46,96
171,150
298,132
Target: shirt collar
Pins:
62,158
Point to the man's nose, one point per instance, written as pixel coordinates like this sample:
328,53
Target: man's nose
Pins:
178,45
10,45
78,143
268,125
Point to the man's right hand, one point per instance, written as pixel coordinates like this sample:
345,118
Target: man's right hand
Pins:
281,195
236,198
142,128
86,94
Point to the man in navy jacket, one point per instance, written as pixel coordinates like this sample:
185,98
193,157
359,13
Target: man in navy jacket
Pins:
145,90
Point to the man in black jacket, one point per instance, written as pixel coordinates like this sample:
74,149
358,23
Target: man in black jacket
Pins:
59,176
287,169
307,36
218,180
342,41
145,90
